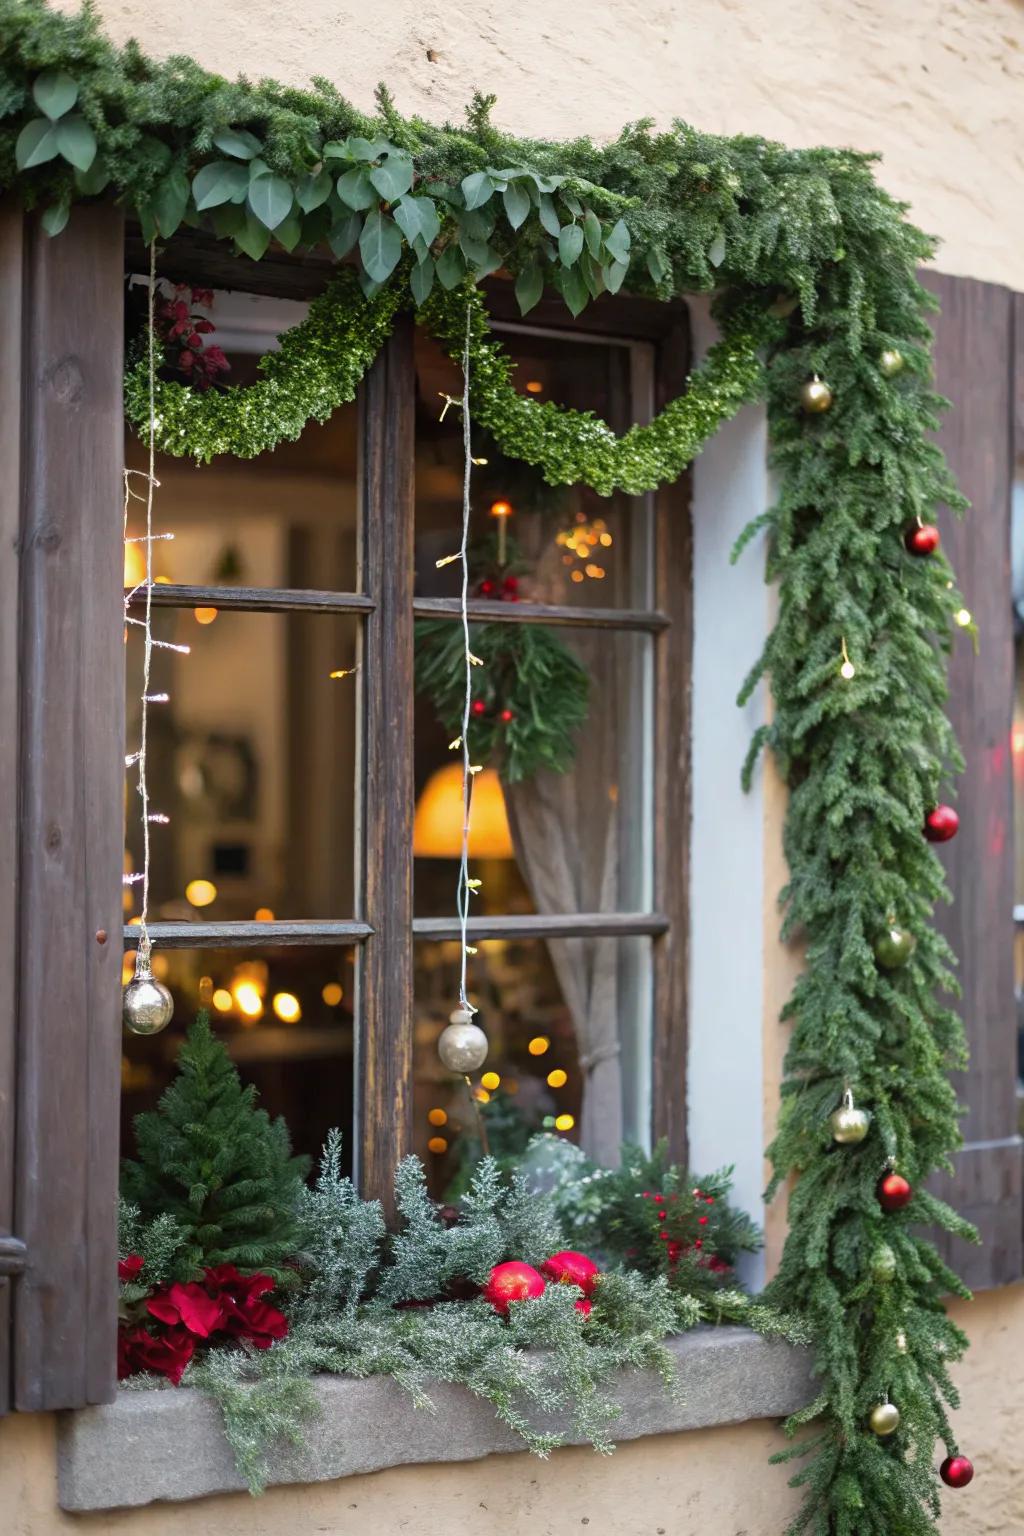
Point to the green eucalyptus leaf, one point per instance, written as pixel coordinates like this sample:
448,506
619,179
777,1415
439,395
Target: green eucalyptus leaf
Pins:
570,244
593,276
614,273
289,232
147,223
393,177
170,201
490,260
478,222
380,246
343,235
56,216
367,284
474,249
271,199
517,203
317,225
574,290
417,218
366,149
37,143
451,267
529,287
238,142
573,204
334,149
253,237
219,182
421,280
593,234
91,182
54,92
617,242
549,216
313,190
656,264
76,141
356,190
227,219
155,154
477,188
716,250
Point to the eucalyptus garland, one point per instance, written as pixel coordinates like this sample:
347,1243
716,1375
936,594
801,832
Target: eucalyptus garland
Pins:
856,660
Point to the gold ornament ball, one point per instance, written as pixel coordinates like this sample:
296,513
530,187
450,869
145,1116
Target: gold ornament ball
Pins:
849,1125
815,396
890,363
147,1006
462,1047
884,1420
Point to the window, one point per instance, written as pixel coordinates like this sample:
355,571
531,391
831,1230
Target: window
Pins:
325,941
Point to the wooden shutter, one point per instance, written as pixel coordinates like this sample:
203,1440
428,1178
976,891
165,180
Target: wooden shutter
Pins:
62,682
975,363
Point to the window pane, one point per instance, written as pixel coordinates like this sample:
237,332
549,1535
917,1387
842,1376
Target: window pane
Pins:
543,1006
252,759
573,842
285,1014
285,519
566,545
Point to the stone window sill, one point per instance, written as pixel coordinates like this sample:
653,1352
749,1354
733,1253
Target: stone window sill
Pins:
169,1445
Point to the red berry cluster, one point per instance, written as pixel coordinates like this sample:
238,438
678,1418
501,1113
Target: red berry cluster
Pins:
175,1318
182,332
505,587
676,1247
479,708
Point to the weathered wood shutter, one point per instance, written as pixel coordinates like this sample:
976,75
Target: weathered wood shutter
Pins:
61,805
975,368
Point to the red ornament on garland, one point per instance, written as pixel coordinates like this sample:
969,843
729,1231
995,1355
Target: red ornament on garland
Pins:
479,707
956,1471
923,539
893,1192
572,1268
507,715
941,824
514,1281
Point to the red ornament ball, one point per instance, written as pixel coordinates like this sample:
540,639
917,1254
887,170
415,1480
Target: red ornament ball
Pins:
479,707
893,1192
583,1305
511,584
514,1281
941,824
486,588
923,539
572,1268
507,715
956,1471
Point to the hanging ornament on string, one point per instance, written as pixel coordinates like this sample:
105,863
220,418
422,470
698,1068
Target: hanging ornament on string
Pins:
893,1191
890,363
894,947
815,396
147,1005
941,824
956,1471
462,1045
923,539
849,1124
884,1419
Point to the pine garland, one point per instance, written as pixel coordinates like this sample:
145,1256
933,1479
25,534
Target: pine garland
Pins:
806,238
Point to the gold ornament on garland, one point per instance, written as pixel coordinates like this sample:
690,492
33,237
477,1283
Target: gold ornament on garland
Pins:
849,1125
147,1006
815,396
884,1420
894,947
890,363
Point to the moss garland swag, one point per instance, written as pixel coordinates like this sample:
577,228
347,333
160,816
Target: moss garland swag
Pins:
809,236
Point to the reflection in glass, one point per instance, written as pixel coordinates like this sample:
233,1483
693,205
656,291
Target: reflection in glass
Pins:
285,1014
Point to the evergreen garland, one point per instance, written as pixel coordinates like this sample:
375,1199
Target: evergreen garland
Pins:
807,238
216,1166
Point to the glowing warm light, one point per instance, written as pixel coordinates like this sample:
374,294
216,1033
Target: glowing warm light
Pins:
1017,741
127,969
538,1045
160,966
564,1122
437,829
962,617
481,1095
578,576
606,540
491,1080
332,994
557,1078
205,988
501,509
437,1144
263,915
133,922
222,1000
134,565
200,893
163,581
437,1117
287,1007
248,1000
204,615
534,387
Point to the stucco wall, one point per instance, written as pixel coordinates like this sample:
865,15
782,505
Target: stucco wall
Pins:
670,1485
937,87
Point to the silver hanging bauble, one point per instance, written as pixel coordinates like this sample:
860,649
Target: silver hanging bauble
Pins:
462,1046
849,1124
147,1006
884,1420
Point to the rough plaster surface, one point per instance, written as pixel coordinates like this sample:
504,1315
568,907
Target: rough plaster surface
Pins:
168,1445
937,86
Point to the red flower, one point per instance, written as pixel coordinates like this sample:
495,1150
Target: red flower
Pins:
166,1354
191,1305
216,359
204,327
243,1314
203,296
128,1267
185,360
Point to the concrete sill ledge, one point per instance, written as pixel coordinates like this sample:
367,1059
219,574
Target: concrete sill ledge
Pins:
169,1444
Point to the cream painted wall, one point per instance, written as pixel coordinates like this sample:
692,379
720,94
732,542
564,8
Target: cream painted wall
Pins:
935,86
670,1485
